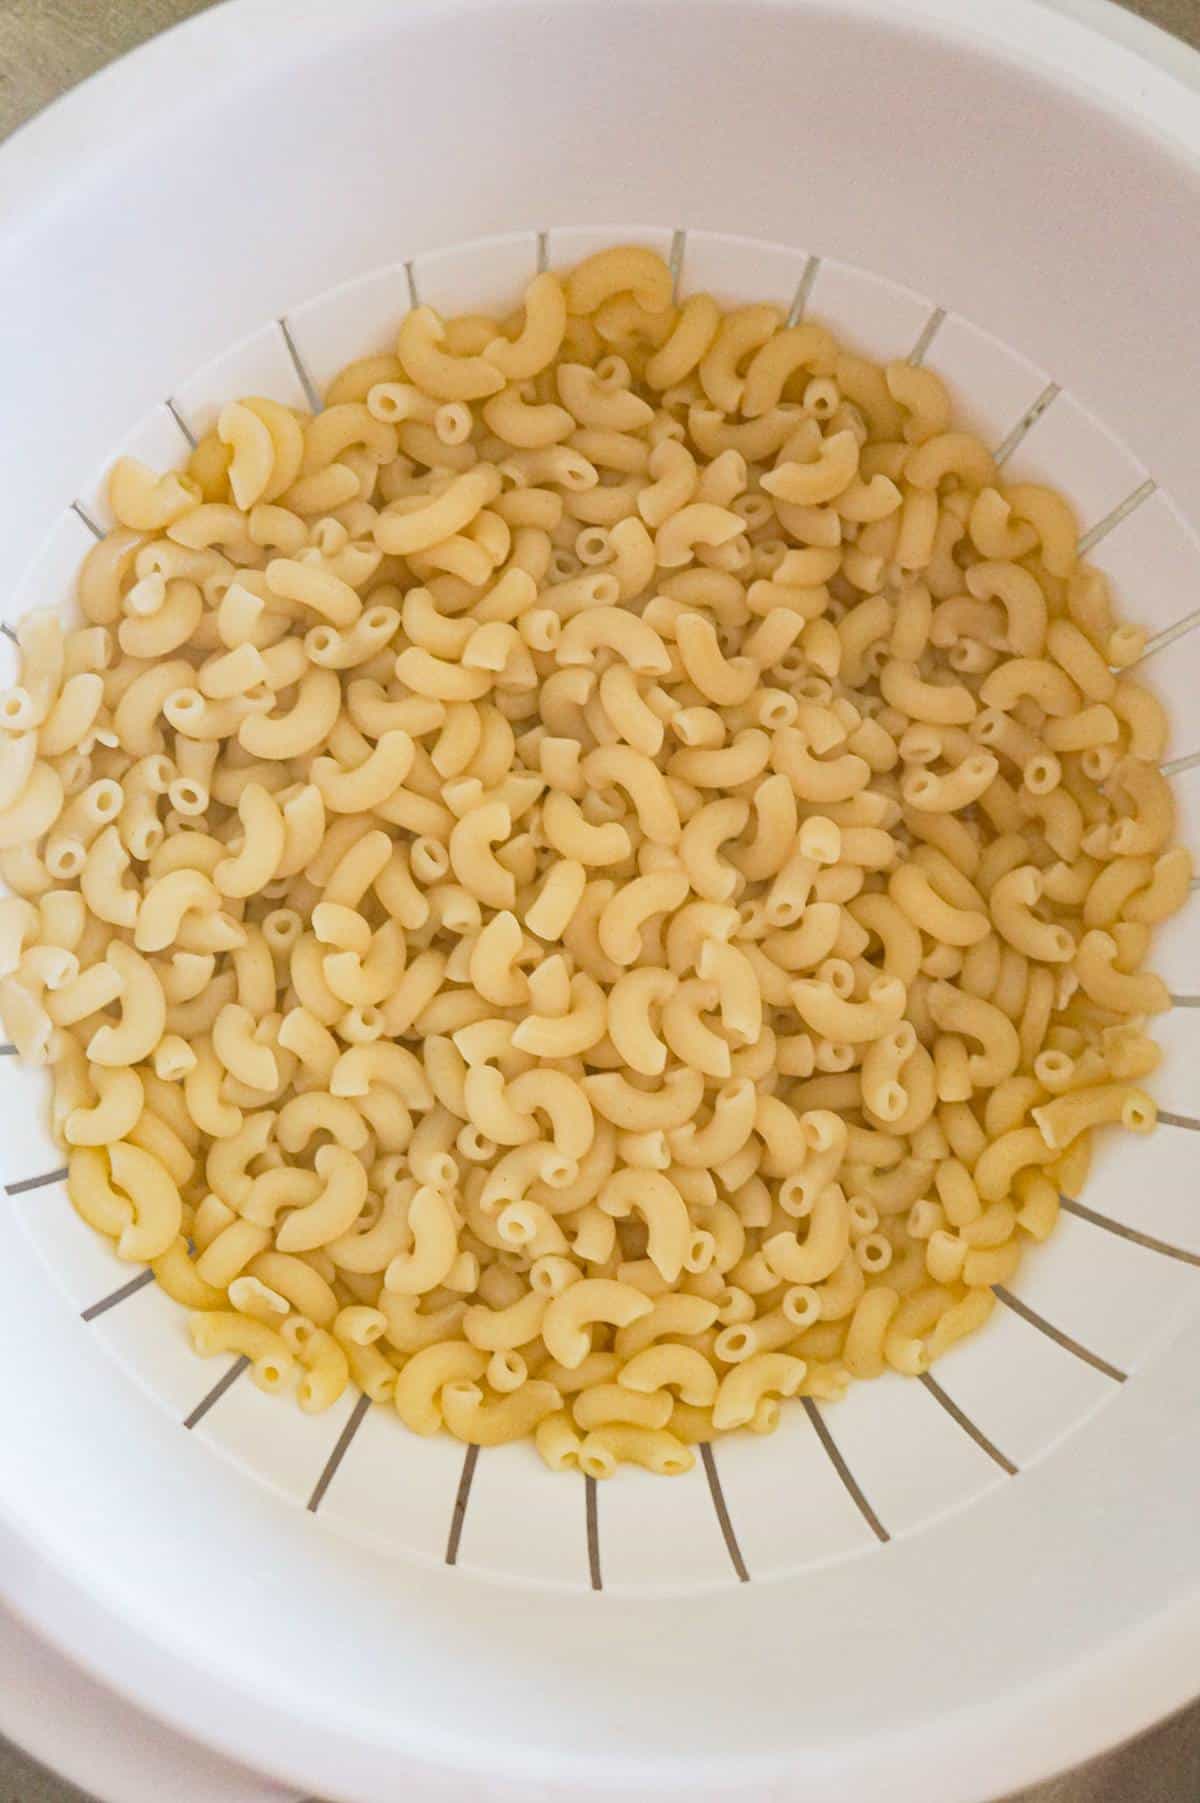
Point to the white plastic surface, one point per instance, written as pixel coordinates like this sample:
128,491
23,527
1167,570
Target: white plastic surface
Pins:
83,1265
112,1750
157,440
716,262
535,1532
1165,1209
911,1458
1152,560
487,276
260,363
992,385
805,1507
1024,1392
403,1649
49,580
1069,437
355,320
651,1541
874,315
899,1441
390,1487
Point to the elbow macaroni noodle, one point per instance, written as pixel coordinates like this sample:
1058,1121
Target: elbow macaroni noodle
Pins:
585,893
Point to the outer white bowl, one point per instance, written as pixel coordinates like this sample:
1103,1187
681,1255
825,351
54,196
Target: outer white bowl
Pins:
945,1590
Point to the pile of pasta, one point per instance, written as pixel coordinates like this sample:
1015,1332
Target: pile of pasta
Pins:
595,884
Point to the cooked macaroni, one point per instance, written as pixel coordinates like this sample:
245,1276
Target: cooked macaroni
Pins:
597,883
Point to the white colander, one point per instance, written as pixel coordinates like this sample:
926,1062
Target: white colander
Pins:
936,1589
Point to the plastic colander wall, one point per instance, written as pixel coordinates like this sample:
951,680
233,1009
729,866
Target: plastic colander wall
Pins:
895,1585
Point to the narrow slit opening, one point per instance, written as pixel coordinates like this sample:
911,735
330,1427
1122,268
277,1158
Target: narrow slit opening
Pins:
804,289
1027,422
311,393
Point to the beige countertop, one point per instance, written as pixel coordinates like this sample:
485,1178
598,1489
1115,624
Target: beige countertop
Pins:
46,46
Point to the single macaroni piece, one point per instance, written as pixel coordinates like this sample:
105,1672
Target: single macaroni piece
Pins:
596,884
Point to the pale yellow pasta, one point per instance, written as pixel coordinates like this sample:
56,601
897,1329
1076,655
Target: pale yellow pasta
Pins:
326,1372
434,1247
155,1202
143,1012
719,680
299,729
982,1021
630,1019
835,1017
739,334
221,1331
438,372
420,1385
823,479
241,1052
824,1247
743,1387
469,1416
959,789
598,400
402,529
541,333
474,862
252,448
620,927
913,891
625,268
609,1404
863,1349
655,1449
674,481
660,1204
147,502
726,1134
334,1211
739,997
1011,905
570,1316
114,1115
691,335
558,1442
883,1091
598,883
225,1256
781,358
612,629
